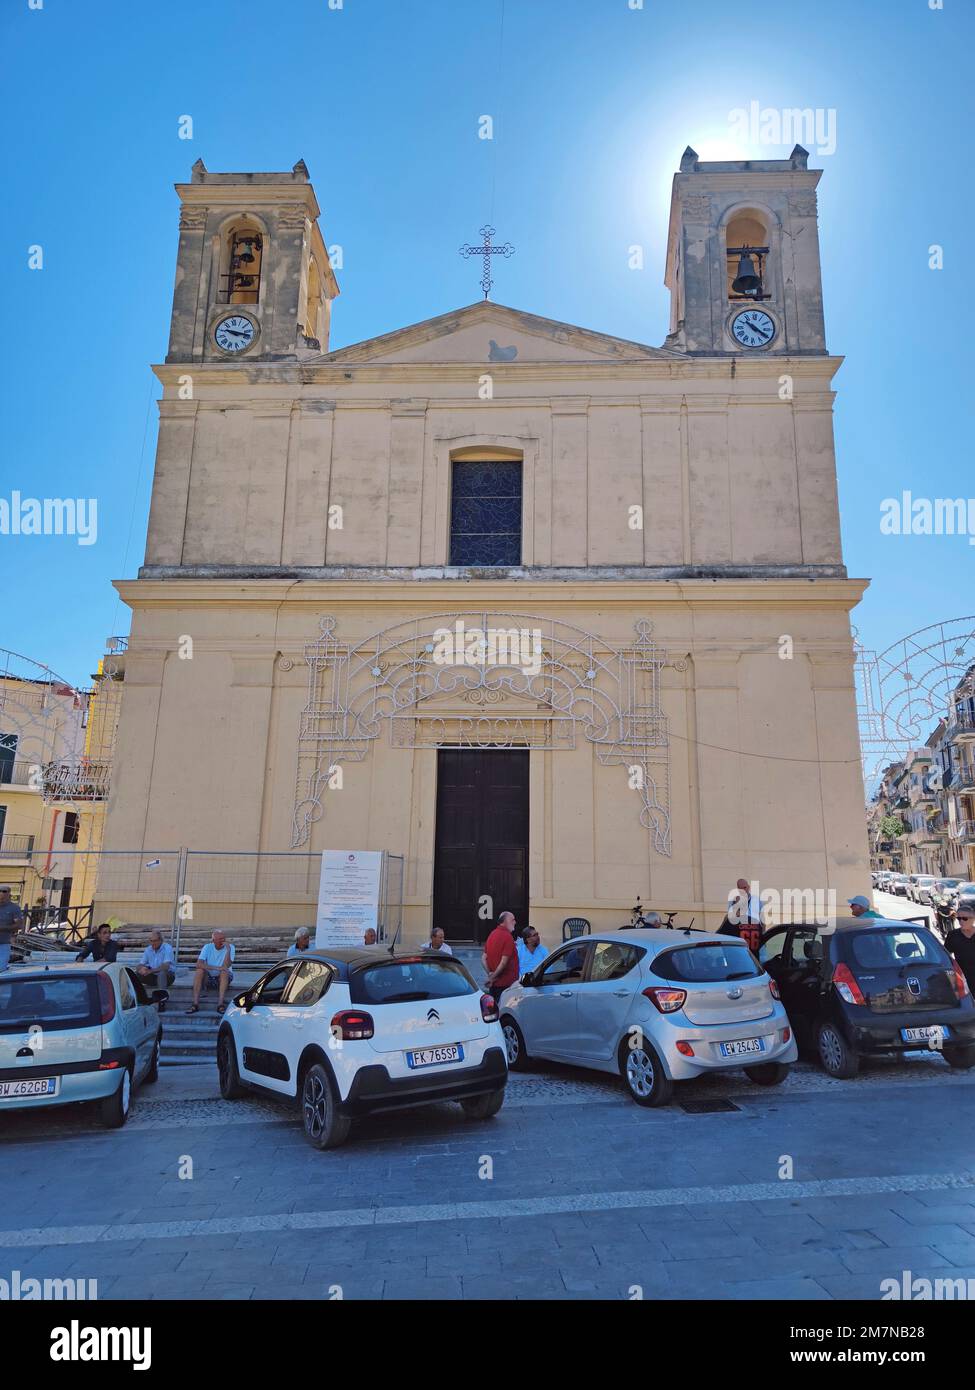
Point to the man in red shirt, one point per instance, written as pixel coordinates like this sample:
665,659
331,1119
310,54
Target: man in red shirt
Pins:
500,956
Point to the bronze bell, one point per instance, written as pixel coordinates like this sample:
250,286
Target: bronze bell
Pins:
746,281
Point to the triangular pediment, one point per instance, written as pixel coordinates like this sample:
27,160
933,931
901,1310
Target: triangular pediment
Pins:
491,333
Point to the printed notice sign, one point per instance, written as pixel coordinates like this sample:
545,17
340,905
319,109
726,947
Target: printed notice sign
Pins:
348,897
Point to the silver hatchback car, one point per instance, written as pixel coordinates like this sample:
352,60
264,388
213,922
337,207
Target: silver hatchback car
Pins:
77,1032
652,1006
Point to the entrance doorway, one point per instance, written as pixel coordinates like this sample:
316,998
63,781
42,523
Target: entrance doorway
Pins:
481,839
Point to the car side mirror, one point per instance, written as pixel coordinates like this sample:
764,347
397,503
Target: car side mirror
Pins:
529,978
159,996
243,1001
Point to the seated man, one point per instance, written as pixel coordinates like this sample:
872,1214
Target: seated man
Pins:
301,943
437,943
214,970
100,946
157,968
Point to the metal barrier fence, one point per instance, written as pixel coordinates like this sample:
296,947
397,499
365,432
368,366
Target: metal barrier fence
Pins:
187,893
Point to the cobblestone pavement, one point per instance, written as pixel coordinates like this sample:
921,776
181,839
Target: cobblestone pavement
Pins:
571,1192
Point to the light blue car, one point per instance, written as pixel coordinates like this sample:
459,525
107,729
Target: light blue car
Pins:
77,1032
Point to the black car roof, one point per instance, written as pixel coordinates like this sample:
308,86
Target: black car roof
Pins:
346,958
851,924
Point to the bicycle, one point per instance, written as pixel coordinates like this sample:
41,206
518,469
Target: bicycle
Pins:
650,920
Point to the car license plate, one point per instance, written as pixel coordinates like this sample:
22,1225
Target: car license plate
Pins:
934,1035
744,1046
433,1056
36,1086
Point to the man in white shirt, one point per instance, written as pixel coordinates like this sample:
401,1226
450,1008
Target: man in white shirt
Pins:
157,968
531,952
213,968
437,943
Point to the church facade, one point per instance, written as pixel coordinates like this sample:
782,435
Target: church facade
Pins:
558,617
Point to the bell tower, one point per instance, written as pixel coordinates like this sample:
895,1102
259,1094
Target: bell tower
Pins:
743,258
253,277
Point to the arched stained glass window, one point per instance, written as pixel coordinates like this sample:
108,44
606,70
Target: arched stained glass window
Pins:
485,512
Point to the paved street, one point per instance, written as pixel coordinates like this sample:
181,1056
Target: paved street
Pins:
572,1192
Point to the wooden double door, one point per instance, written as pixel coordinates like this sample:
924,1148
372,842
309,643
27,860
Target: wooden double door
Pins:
481,840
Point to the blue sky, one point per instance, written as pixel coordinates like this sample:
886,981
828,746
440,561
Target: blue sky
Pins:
593,103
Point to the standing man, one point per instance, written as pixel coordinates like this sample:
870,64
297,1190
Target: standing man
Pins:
500,957
11,921
960,941
531,952
744,915
301,943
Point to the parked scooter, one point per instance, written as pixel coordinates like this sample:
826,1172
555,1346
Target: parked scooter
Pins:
943,919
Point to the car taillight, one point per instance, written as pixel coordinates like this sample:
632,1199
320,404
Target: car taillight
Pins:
961,984
489,1010
774,990
667,1001
106,997
685,1049
352,1026
846,986
786,1034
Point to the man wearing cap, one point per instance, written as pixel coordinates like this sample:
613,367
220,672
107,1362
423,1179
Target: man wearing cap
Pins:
11,921
301,943
860,907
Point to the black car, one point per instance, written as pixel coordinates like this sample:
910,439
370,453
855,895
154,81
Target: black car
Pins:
858,987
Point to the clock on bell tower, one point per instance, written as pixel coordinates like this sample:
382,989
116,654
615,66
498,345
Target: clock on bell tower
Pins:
743,257
253,275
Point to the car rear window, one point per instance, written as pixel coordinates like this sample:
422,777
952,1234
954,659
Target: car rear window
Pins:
711,961
877,950
400,981
54,1002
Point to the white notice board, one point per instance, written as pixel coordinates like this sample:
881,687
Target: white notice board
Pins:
348,896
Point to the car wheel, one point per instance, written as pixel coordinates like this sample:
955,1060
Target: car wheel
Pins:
644,1078
115,1108
231,1087
962,1057
835,1054
769,1073
514,1045
483,1107
152,1075
325,1126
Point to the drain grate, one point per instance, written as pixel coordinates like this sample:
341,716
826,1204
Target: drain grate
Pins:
708,1107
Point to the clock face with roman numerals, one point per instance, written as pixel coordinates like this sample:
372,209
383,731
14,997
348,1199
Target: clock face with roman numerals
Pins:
753,328
234,333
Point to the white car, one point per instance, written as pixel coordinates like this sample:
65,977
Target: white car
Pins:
353,1032
653,1006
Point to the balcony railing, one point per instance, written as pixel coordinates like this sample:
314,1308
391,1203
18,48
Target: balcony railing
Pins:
82,781
965,831
22,772
961,727
16,846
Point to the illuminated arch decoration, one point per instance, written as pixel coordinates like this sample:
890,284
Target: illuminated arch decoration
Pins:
903,691
574,684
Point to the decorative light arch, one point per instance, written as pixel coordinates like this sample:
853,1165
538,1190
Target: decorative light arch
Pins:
574,681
